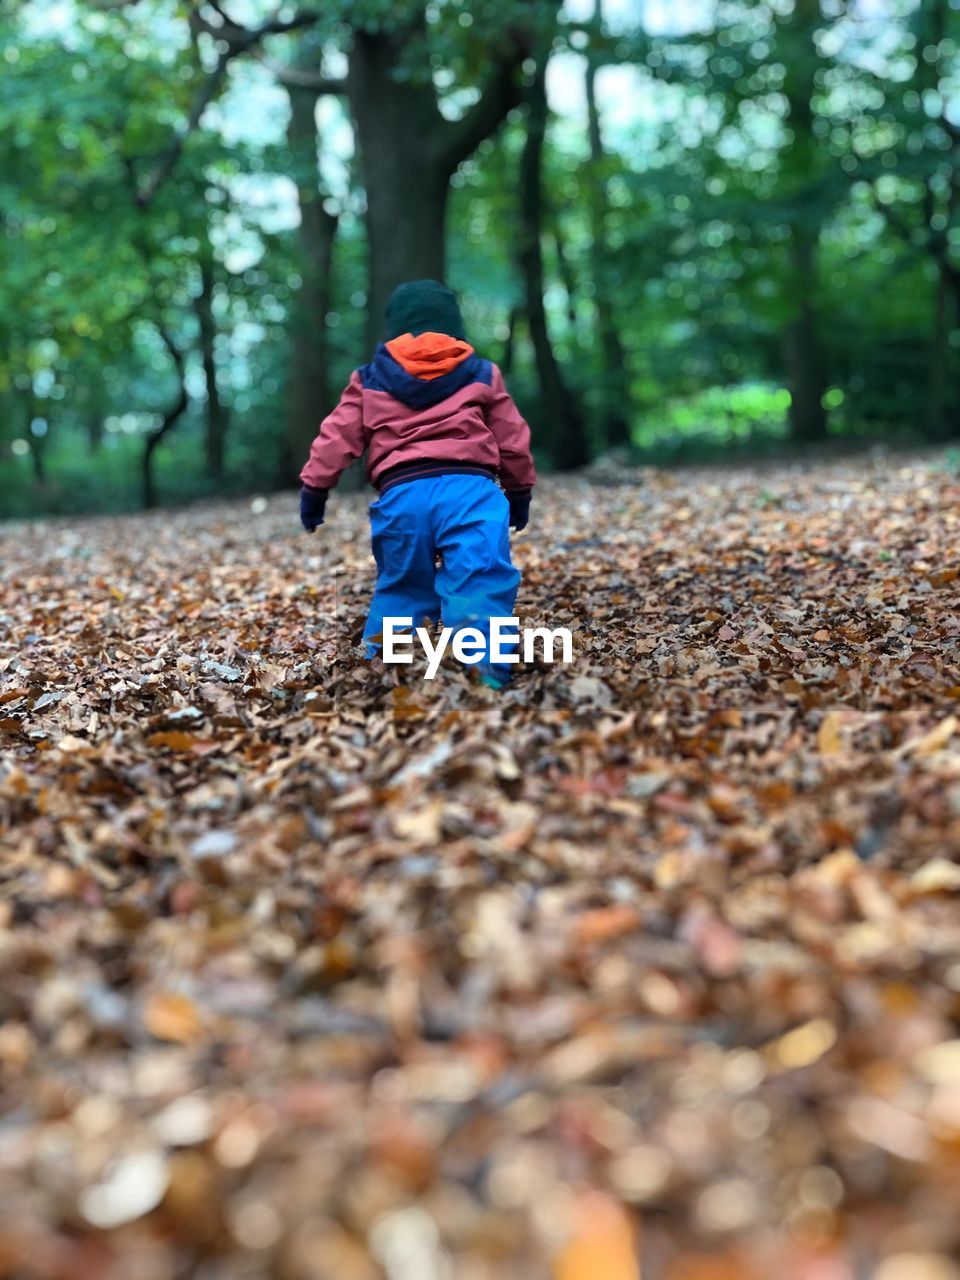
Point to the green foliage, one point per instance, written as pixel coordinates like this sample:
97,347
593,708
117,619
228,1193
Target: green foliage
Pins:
772,126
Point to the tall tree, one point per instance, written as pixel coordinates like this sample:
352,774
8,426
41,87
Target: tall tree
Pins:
409,151
171,416
920,200
559,406
308,390
408,147
615,399
217,412
800,184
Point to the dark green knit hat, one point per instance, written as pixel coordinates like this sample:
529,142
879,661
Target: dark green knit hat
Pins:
423,306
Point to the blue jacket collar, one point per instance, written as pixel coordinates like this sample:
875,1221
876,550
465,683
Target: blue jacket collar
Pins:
384,373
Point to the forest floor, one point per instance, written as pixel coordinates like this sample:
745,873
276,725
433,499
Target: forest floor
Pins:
648,967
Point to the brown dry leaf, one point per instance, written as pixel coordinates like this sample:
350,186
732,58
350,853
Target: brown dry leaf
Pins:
417,963
420,826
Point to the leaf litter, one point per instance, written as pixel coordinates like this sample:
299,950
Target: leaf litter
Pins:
647,968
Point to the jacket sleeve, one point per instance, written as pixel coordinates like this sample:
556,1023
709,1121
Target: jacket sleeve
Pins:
339,440
512,434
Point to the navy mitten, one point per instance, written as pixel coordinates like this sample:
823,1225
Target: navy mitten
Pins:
519,500
312,505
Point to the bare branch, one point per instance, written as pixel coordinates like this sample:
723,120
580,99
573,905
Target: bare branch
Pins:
170,419
502,92
165,167
239,40
295,78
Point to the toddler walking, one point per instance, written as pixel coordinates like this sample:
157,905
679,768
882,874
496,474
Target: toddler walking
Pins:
442,435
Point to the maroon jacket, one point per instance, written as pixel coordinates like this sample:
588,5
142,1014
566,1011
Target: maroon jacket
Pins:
424,405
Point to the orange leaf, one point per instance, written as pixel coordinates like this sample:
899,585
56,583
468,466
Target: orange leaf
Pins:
170,1016
405,707
933,741
603,1245
606,923
829,740
173,740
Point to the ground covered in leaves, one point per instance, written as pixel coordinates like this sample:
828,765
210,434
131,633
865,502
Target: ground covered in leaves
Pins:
649,967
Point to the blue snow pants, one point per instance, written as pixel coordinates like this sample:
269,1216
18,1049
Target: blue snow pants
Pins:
463,519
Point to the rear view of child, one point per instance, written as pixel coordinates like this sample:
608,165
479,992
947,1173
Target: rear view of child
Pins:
441,435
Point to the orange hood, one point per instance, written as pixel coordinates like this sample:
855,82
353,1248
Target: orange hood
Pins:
428,355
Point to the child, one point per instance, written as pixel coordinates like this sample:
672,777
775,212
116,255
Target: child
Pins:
439,429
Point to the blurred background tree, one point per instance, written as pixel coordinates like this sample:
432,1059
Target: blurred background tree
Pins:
682,230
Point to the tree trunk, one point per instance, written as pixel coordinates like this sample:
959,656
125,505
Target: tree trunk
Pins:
801,350
802,162
408,149
170,420
95,430
952,405
802,354
405,175
218,416
567,279
615,403
939,360
568,438
37,460
8,395
37,443
510,342
308,390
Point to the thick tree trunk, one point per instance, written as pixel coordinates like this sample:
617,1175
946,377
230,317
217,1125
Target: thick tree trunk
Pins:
405,174
568,440
218,416
615,404
408,149
803,357
308,390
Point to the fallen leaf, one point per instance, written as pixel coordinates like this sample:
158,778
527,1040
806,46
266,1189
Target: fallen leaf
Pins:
939,875
934,741
132,1187
170,1016
829,740
603,1245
